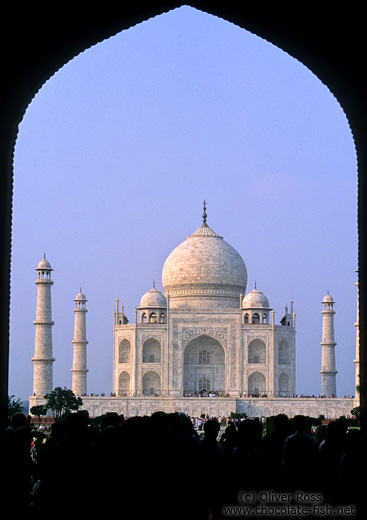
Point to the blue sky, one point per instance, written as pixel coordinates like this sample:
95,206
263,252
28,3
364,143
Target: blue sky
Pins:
116,153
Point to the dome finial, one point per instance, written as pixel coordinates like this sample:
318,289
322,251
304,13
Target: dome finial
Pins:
153,284
255,284
204,213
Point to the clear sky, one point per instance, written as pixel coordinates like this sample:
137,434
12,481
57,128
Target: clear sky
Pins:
118,150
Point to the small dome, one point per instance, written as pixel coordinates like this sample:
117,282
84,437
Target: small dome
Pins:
255,299
328,298
153,298
80,296
44,264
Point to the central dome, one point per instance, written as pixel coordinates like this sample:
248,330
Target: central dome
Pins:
204,271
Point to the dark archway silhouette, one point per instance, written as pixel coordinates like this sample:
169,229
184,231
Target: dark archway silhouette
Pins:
35,44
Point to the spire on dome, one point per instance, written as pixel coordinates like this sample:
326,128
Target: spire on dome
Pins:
204,230
204,214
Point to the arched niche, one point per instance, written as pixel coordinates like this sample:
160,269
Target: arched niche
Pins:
283,353
124,384
124,351
151,384
256,351
256,384
151,351
283,385
204,365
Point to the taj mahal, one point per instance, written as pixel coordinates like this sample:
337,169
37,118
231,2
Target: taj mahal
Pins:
204,345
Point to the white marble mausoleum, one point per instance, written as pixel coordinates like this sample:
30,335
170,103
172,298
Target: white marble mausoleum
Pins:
203,345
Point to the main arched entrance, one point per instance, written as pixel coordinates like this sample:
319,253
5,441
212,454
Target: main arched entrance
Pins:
204,366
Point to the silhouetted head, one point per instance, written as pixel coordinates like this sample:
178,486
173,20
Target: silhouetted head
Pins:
231,432
249,432
18,419
299,422
110,419
76,423
211,429
281,422
336,430
58,429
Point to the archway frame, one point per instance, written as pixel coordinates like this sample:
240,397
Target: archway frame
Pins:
203,369
152,376
34,50
124,377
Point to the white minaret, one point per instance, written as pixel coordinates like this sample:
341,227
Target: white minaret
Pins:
356,360
79,370
328,372
43,360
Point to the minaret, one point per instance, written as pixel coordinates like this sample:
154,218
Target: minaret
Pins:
79,370
356,360
328,372
43,360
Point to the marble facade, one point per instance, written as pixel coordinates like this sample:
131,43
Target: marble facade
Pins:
204,335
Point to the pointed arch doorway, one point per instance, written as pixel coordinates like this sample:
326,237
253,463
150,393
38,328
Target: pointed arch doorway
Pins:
204,366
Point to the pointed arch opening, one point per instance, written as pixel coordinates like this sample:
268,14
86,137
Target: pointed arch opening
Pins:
151,351
124,351
124,384
257,384
204,366
5,308
256,351
283,385
151,384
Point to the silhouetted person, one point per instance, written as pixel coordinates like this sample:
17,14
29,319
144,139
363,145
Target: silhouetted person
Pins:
300,457
72,468
351,468
16,462
112,419
212,464
58,431
229,441
23,463
210,446
272,448
180,494
18,419
331,451
245,460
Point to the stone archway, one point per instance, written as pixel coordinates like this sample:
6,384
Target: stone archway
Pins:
124,384
204,366
151,384
283,385
339,65
257,351
124,351
283,353
256,384
151,351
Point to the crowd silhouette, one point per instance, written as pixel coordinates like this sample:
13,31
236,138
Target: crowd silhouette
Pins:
161,466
